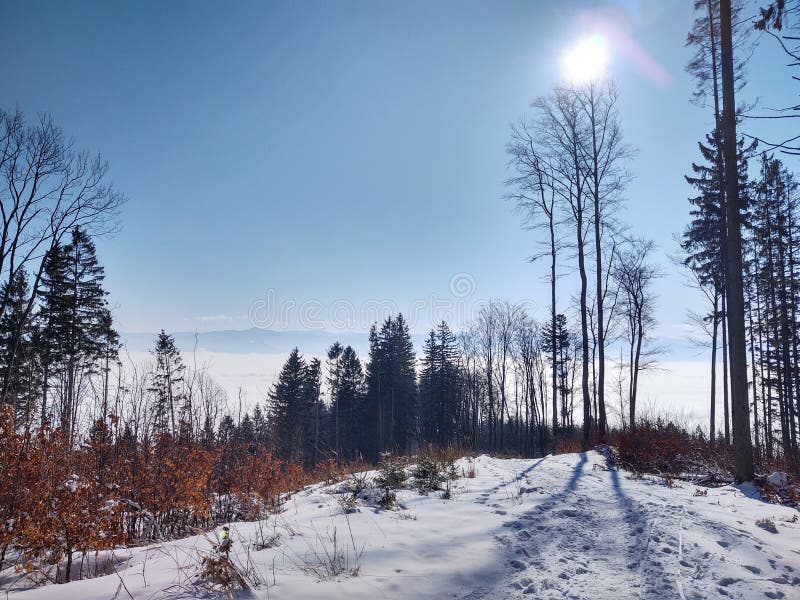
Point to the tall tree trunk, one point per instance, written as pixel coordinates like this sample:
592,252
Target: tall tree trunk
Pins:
553,321
725,395
714,331
742,444
598,257
752,341
587,406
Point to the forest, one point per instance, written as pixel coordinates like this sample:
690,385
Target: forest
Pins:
99,452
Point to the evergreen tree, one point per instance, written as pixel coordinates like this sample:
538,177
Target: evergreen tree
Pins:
563,341
22,374
439,387
75,322
316,416
110,345
245,432
392,386
166,384
290,408
704,243
773,294
52,325
260,426
227,431
334,376
347,401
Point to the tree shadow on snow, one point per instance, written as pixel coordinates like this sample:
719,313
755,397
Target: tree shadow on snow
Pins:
564,536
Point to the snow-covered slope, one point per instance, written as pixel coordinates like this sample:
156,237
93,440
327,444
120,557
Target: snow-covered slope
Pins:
558,527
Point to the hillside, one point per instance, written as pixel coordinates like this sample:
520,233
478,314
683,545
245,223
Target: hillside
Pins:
558,527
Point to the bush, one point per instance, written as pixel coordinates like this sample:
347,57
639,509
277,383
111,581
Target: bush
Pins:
669,451
220,574
432,469
390,477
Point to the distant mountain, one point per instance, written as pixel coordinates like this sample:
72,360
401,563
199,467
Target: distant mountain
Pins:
259,341
265,341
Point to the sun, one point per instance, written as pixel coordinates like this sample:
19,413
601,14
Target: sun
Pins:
587,60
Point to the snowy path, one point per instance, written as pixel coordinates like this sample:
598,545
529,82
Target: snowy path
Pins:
559,527
605,536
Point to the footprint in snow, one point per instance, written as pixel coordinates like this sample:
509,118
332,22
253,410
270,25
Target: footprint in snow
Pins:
754,570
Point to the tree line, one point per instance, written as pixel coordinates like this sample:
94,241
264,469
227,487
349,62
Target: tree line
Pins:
740,244
487,387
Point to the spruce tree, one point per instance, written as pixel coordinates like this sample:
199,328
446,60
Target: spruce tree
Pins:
315,418
75,322
166,384
51,324
439,387
290,408
563,341
392,387
349,401
705,246
334,376
22,371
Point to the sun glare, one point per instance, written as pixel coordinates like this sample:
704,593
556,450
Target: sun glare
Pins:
587,60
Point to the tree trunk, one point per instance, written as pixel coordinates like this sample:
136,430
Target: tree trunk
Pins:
715,327
725,395
553,321
742,444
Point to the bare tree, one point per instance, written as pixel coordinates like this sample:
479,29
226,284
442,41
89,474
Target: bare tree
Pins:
534,192
506,322
562,133
636,276
486,344
604,155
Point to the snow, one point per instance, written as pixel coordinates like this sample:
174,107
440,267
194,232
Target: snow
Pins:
558,527
778,479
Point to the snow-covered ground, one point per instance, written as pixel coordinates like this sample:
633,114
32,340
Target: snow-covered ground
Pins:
558,527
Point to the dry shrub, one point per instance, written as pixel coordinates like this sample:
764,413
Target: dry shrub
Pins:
671,452
220,574
569,445
767,524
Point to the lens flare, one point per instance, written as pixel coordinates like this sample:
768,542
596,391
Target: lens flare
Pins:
587,60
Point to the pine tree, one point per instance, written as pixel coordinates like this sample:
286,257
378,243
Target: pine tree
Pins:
349,402
334,376
22,374
563,341
226,432
166,384
439,387
75,322
315,418
52,326
245,432
290,409
775,290
704,244
734,287
260,426
110,345
391,382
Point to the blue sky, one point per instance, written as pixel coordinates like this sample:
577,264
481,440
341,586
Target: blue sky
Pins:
348,150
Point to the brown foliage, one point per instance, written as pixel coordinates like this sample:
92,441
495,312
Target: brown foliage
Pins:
669,451
59,501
